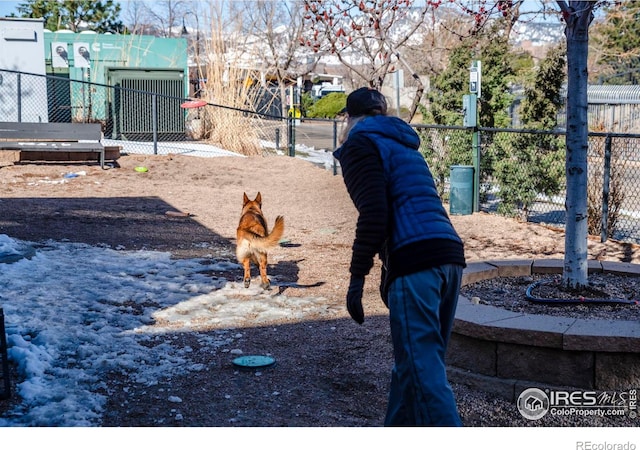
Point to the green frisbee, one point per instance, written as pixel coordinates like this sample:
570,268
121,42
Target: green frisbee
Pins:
254,362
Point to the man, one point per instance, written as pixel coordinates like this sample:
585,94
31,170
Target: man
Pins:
401,218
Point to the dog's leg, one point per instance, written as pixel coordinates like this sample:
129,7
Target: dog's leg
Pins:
246,263
266,284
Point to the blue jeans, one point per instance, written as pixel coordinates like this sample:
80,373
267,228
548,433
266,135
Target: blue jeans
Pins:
421,309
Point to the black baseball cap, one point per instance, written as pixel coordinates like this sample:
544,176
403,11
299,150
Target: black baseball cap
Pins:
365,100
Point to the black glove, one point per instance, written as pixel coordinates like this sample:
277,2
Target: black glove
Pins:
354,299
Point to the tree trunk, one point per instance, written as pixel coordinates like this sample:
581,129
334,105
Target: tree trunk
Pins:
578,16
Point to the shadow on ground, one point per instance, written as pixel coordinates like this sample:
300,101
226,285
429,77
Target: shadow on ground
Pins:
131,223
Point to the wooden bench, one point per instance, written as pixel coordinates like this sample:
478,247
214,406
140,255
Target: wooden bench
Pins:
52,137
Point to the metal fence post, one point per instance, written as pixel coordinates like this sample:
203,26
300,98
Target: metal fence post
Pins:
154,121
291,135
606,178
335,145
475,143
19,85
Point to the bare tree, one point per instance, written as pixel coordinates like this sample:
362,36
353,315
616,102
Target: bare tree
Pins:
277,28
439,35
136,17
168,15
367,36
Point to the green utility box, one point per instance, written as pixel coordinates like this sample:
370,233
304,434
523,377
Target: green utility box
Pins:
115,79
461,190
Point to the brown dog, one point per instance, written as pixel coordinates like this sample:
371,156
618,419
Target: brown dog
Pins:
253,239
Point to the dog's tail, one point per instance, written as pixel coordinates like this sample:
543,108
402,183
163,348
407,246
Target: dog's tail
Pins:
271,239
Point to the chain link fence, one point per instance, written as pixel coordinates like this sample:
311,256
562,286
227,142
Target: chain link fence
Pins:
522,174
521,171
141,116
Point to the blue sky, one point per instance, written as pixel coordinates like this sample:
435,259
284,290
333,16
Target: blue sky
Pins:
7,7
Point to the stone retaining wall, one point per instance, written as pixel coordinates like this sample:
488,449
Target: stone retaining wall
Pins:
506,352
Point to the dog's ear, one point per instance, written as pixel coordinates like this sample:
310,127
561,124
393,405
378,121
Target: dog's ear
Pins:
245,199
258,199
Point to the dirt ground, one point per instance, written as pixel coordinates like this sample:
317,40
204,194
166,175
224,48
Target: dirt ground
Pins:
330,372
